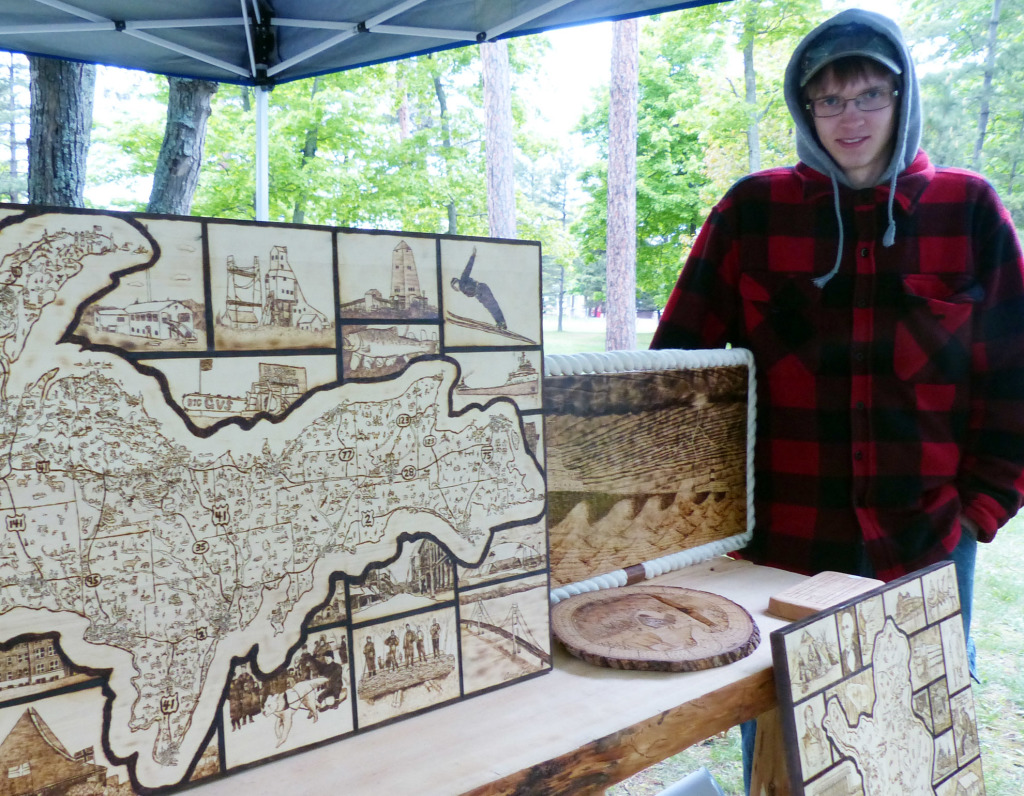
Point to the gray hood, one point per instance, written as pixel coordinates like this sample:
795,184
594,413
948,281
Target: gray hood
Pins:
908,121
908,130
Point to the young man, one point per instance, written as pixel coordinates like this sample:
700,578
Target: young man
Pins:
883,300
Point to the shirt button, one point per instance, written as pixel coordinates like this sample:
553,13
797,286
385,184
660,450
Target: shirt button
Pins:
864,252
860,404
859,356
858,455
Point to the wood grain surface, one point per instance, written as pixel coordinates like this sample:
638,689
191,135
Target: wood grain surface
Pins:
641,465
654,628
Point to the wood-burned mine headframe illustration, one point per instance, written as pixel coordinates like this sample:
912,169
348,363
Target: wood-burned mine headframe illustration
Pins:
244,510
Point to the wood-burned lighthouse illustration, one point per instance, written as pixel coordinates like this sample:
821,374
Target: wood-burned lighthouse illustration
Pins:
408,298
272,299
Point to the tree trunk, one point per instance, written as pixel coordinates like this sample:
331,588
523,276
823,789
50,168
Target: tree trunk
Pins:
61,123
501,191
446,143
986,86
561,294
750,97
620,317
181,154
308,153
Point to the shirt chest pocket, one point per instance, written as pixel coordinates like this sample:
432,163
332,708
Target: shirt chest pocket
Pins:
933,332
781,317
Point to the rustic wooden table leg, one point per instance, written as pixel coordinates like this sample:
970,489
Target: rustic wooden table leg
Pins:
769,776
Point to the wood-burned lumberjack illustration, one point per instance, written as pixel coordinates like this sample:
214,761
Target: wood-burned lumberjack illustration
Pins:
391,662
468,286
370,653
407,645
435,638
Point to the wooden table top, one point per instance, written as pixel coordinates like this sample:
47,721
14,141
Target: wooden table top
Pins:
578,729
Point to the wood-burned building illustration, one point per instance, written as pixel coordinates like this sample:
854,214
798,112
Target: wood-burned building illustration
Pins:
405,280
276,389
407,299
31,663
274,298
36,762
425,571
154,320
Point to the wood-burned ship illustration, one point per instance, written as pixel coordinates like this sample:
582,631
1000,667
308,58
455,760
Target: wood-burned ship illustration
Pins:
407,299
523,379
275,298
276,389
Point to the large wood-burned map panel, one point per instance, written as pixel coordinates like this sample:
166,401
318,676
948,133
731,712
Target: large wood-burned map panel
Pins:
642,464
264,486
875,694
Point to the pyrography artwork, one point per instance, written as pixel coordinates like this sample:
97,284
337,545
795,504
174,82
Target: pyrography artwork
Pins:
244,508
649,453
875,694
654,628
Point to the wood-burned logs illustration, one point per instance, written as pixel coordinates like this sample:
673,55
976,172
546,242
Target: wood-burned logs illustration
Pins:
643,464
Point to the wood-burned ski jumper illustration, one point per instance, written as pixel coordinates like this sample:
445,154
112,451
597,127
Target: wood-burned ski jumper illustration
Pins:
468,286
481,292
161,556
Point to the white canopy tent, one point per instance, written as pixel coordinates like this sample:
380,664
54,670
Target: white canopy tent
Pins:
264,42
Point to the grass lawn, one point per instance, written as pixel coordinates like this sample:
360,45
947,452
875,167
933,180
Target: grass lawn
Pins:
574,342
998,630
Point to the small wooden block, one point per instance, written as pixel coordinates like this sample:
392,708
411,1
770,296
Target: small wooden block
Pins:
654,628
818,593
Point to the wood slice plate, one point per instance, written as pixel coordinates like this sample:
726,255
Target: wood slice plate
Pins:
654,628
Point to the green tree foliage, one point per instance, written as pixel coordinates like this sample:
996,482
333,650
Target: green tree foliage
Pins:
950,39
390,146
670,171
747,123
710,93
14,100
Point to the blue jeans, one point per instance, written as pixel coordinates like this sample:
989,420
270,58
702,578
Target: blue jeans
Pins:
963,557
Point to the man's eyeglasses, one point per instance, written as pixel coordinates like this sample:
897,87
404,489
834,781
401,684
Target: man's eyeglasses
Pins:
874,99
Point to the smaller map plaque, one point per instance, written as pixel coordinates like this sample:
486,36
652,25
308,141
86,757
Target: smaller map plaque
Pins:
654,628
875,693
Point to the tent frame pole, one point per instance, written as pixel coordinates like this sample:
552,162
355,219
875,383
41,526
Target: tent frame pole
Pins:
262,154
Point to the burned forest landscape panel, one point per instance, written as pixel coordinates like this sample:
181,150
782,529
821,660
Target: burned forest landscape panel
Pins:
243,495
644,463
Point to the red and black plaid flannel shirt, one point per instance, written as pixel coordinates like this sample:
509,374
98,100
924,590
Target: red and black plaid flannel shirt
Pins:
891,401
